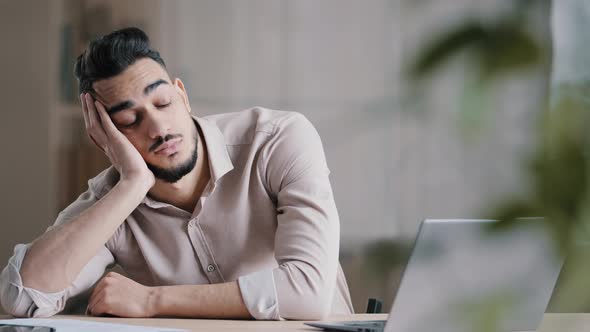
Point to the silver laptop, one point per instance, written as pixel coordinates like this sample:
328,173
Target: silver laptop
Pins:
464,277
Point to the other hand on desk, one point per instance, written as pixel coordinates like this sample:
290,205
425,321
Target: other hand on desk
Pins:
120,296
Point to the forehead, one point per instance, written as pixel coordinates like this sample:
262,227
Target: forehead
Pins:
131,82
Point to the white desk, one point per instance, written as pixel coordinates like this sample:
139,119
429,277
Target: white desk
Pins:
551,323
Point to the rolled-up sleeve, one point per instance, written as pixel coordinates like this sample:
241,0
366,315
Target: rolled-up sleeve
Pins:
260,295
308,231
21,301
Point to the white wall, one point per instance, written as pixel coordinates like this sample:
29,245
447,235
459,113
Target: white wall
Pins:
332,60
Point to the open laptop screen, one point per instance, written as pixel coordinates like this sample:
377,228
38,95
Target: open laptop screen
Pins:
462,277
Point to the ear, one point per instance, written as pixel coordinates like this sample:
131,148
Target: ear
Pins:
179,86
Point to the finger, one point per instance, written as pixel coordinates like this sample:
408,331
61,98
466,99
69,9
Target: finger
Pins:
97,303
84,110
87,120
94,300
99,306
95,292
105,282
92,114
105,119
96,130
98,293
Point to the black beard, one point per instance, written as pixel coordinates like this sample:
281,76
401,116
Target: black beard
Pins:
174,174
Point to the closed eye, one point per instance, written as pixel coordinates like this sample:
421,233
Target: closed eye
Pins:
163,105
130,125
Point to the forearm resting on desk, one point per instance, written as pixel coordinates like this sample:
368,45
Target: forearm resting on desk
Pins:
120,296
201,301
54,260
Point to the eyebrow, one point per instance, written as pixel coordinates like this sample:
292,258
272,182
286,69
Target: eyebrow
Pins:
153,86
128,104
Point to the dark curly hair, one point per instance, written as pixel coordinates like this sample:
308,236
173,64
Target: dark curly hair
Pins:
109,55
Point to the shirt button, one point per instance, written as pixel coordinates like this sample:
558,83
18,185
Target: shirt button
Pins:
210,268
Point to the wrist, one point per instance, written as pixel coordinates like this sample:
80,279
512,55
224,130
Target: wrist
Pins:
142,183
154,301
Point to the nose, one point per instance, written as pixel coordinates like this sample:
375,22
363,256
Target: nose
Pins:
158,125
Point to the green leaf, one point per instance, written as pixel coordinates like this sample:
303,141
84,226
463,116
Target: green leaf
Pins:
495,49
507,48
434,55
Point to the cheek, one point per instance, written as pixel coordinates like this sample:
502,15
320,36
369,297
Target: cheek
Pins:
135,140
183,121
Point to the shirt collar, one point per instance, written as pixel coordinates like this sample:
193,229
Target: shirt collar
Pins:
219,161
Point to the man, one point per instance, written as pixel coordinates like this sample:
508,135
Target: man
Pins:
228,216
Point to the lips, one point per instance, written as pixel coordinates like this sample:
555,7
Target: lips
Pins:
168,147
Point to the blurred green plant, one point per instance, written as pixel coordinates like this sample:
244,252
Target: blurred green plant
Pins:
494,48
384,254
502,45
559,173
558,169
486,313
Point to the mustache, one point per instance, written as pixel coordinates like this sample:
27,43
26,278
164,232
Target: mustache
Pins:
161,140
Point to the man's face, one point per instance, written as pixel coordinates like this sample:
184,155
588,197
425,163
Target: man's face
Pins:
153,113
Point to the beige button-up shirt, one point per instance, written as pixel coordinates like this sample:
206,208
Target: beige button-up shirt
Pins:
266,219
